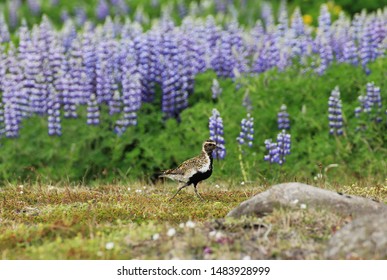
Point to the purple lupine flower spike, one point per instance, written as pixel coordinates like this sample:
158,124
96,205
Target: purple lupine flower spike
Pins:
370,103
350,53
13,13
326,54
80,16
297,23
120,7
284,142
131,96
216,134
2,125
102,10
365,47
375,101
272,149
246,136
69,105
10,121
335,114
373,92
283,118
78,82
93,113
4,32
277,151
16,101
34,6
267,14
104,73
324,19
115,103
53,112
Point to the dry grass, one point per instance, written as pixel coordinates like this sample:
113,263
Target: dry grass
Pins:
134,222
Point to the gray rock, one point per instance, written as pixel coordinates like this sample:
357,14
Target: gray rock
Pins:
298,195
364,238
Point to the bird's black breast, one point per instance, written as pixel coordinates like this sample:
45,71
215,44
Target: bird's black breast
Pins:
200,176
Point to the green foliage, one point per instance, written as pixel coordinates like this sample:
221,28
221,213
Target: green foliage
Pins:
353,7
248,11
85,153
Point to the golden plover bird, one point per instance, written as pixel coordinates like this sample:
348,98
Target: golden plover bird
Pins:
193,170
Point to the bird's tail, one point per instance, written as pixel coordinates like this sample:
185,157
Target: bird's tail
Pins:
170,174
156,176
167,172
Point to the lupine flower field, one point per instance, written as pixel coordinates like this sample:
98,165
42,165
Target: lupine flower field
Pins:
112,92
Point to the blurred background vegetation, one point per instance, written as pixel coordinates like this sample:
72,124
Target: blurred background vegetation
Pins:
248,11
85,153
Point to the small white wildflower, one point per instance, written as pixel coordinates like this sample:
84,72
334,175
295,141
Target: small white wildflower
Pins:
129,189
109,245
295,201
219,235
21,186
212,233
138,191
21,192
50,188
246,258
190,224
171,232
242,183
303,206
318,177
144,187
155,236
217,186
181,225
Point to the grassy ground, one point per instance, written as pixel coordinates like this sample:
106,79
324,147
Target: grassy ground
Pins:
137,222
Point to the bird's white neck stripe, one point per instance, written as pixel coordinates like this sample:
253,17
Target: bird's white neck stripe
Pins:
207,165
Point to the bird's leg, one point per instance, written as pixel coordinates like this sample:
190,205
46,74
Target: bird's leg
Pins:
196,191
182,187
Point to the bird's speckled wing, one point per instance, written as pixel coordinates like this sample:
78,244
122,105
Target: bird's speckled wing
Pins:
183,167
184,171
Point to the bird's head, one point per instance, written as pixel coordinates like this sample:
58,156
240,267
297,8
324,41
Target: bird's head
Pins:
209,145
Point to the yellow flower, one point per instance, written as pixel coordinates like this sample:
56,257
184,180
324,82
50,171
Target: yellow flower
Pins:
330,5
336,10
333,8
307,19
